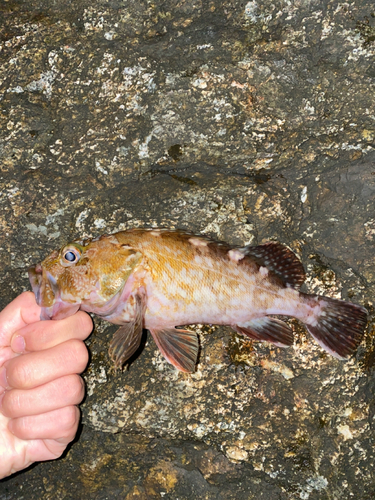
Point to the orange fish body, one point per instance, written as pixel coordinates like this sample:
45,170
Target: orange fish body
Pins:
159,279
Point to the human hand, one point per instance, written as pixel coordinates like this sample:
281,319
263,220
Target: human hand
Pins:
39,385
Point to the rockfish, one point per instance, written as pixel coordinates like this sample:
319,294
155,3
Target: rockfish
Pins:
159,279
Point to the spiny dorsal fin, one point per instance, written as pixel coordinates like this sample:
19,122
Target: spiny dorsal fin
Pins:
280,260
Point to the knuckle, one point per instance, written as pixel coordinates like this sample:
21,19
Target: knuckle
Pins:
79,354
83,323
11,404
20,374
77,389
32,336
70,419
20,427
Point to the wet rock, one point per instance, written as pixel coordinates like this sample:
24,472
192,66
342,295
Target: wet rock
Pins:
243,121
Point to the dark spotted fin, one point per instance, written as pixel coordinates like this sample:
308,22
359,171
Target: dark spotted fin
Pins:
280,260
268,329
128,337
179,347
339,326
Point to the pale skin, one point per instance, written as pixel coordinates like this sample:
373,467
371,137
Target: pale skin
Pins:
40,386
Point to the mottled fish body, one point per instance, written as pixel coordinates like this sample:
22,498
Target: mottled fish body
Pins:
159,279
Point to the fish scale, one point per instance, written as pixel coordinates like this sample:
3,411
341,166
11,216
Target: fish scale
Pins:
159,279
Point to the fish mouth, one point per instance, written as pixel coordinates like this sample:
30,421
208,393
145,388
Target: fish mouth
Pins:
47,295
36,278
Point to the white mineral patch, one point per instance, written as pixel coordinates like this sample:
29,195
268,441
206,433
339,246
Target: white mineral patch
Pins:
236,453
198,430
17,90
109,35
81,218
317,483
37,229
44,84
143,147
95,378
286,372
100,168
370,229
199,83
15,191
345,431
204,46
251,11
308,107
100,223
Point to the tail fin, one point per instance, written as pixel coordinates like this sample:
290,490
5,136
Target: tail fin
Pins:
339,327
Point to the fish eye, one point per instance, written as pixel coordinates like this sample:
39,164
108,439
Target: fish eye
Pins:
70,256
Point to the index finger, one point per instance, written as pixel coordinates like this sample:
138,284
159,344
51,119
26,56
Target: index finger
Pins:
43,335
22,311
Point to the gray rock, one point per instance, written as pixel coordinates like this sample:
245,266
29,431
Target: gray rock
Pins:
243,121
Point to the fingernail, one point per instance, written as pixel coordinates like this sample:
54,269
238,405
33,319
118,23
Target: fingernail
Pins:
3,378
18,344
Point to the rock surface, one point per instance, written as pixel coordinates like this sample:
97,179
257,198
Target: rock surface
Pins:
245,121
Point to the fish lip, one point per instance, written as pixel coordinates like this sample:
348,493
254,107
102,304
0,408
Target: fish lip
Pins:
35,278
38,279
46,313
58,309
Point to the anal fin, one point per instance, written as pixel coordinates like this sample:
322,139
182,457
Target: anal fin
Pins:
267,329
179,347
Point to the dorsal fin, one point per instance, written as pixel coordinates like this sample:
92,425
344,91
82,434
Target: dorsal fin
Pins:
280,260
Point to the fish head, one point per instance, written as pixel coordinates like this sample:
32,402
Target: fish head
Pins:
88,273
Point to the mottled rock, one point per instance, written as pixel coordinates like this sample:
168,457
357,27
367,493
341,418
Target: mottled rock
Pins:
243,121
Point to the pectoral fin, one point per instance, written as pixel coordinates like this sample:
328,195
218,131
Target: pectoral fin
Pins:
179,347
270,329
128,337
